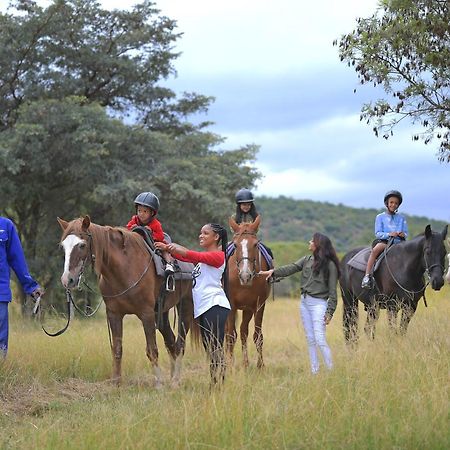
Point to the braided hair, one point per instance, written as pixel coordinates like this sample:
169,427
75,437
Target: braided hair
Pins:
223,240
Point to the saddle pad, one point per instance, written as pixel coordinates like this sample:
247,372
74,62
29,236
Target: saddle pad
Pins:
231,247
359,261
185,272
186,268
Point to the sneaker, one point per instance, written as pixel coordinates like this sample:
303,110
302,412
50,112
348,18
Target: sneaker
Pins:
169,270
366,282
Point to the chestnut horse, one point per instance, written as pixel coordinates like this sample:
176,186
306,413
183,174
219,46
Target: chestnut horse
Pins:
247,291
129,285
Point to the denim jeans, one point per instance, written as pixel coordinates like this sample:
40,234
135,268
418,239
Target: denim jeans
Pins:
312,312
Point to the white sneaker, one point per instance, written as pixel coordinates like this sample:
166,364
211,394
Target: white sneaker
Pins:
169,270
366,282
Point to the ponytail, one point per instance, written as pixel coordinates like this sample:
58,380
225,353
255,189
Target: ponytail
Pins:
223,236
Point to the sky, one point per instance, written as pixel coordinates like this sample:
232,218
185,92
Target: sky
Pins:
278,83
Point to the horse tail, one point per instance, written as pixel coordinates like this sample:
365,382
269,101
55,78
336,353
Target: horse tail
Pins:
350,303
196,335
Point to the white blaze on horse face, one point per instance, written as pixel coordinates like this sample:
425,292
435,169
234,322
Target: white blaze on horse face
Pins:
68,245
245,274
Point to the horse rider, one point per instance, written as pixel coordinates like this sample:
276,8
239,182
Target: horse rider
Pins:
389,226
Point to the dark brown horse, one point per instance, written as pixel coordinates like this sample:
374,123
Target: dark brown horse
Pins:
399,282
129,285
247,291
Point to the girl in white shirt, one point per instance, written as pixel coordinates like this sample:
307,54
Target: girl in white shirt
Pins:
211,305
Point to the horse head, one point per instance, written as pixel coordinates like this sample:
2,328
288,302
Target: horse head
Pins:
434,256
246,243
76,241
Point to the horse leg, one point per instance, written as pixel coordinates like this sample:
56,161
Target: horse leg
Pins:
350,318
185,317
246,317
115,322
148,322
258,338
392,311
169,341
407,314
373,312
230,335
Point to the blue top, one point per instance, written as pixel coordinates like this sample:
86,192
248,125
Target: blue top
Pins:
12,257
385,223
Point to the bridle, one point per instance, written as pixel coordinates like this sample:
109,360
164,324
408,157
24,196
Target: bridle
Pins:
428,269
92,258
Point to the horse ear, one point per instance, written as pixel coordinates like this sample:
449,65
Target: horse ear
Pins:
428,231
86,223
62,223
256,223
444,232
234,226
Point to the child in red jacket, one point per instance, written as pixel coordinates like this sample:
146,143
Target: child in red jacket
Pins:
147,205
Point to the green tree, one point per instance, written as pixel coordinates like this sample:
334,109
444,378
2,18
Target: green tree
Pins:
405,47
115,58
67,158
85,125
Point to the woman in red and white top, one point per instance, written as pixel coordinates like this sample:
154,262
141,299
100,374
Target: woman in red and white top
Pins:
211,305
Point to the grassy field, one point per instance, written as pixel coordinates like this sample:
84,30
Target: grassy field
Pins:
392,393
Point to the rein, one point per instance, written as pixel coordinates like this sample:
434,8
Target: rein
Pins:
92,265
427,271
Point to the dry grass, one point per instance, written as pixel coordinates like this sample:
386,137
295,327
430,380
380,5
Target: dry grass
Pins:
390,393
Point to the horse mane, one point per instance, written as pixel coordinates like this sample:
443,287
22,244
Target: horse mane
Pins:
102,235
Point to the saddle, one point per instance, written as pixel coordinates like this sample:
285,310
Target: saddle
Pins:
359,261
183,269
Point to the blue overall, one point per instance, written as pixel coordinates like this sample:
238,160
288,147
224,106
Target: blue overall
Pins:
11,257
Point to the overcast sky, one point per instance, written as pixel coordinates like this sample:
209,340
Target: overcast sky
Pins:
278,83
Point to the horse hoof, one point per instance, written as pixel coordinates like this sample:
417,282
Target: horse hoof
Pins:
116,381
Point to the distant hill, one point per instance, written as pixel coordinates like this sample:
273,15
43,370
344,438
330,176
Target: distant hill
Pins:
286,219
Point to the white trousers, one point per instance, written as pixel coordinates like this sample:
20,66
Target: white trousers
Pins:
312,313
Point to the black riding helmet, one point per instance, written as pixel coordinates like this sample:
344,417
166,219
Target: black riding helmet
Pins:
147,199
244,196
393,194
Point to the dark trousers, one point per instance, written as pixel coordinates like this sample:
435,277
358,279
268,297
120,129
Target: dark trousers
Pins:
212,327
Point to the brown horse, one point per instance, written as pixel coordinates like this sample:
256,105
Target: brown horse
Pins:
129,285
247,291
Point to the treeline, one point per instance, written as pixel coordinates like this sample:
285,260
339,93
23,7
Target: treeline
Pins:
288,225
286,219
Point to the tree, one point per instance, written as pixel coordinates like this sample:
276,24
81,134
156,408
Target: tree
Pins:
405,47
67,158
70,74
114,58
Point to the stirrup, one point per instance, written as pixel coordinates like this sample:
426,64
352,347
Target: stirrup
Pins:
170,283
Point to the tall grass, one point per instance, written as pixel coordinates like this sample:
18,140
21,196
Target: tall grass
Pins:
388,393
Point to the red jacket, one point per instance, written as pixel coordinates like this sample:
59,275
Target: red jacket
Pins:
154,226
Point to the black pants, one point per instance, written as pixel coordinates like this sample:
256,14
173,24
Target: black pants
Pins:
212,327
